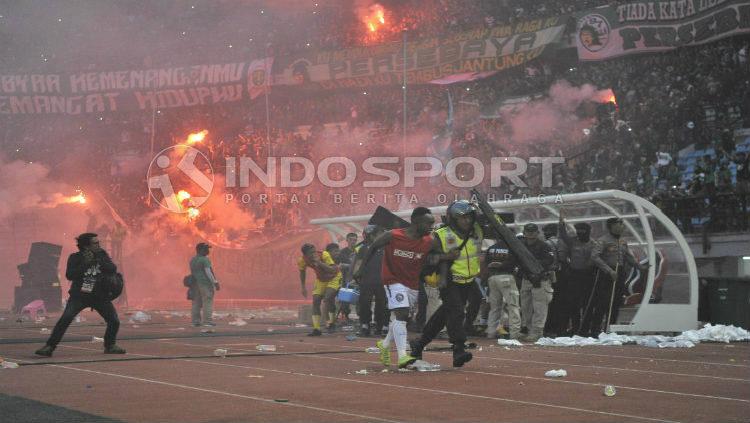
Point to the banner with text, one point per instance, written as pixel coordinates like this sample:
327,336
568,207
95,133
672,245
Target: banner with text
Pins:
480,50
654,26
133,90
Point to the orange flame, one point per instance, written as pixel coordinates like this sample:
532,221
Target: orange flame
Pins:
612,99
182,196
197,137
79,198
376,18
193,213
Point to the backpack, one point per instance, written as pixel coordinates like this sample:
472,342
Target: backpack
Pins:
188,281
112,286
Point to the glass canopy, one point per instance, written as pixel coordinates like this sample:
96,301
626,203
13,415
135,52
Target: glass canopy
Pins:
665,299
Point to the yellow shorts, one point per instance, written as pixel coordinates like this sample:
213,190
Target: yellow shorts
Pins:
320,287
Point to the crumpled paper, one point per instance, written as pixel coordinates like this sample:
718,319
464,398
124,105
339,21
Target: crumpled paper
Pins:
140,317
556,373
687,339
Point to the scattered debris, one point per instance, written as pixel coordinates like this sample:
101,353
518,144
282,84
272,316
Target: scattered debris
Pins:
96,339
372,350
556,373
45,330
266,348
80,319
351,337
237,322
281,400
509,343
8,365
424,366
256,376
362,372
687,339
140,317
609,391
220,352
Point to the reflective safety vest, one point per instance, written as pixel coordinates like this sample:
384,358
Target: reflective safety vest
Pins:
466,267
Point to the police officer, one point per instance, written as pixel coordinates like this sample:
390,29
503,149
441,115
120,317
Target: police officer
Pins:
609,255
536,293
461,244
576,253
553,316
503,291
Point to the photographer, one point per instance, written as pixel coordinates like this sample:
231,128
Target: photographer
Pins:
88,270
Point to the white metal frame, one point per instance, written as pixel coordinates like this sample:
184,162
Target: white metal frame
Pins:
648,317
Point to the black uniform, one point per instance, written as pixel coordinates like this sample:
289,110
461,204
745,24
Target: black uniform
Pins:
371,288
87,290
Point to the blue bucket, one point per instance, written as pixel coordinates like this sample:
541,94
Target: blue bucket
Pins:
348,295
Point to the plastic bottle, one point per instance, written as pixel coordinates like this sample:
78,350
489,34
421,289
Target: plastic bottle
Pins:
266,348
372,350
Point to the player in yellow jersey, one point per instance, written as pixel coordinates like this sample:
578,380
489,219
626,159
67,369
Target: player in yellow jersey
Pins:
327,283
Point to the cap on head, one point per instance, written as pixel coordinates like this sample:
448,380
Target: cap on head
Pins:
202,246
550,229
612,221
530,228
582,226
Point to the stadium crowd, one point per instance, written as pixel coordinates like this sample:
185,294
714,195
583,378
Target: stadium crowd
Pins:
669,135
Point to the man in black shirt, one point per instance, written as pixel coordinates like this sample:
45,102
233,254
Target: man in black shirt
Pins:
371,287
87,270
503,291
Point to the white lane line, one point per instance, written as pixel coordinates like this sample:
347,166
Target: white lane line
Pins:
440,391
230,394
553,380
548,363
616,368
434,391
708,363
658,391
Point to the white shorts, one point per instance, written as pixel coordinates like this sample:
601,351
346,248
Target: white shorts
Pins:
400,296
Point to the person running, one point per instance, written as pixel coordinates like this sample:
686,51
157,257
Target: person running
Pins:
458,243
327,283
405,253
